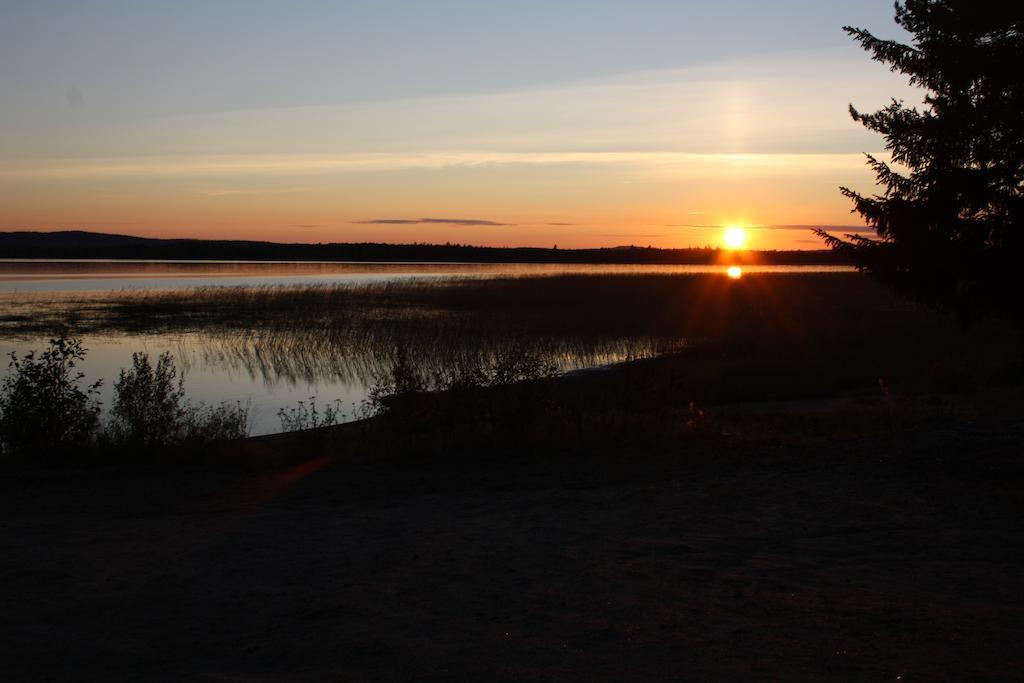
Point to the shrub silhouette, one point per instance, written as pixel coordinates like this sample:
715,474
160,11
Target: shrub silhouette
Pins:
406,392
309,416
43,405
221,422
398,390
149,409
510,366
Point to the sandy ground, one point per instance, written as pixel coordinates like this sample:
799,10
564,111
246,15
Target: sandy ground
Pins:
891,557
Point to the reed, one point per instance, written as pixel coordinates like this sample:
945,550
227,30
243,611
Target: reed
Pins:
762,335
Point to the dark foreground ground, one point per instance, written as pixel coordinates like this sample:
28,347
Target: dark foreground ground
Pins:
779,541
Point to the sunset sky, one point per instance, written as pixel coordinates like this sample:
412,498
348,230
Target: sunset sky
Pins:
577,123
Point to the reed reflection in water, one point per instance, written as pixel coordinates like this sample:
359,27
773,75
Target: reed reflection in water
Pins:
293,357
280,344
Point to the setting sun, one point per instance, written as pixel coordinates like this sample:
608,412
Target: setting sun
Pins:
734,237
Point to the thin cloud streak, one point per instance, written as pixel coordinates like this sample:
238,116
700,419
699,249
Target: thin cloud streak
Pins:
474,222
694,164
859,229
624,234
828,228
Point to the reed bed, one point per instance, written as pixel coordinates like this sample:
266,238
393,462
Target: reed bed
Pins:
772,328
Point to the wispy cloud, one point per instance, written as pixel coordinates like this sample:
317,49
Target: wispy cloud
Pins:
677,163
857,229
476,222
827,228
229,192
625,234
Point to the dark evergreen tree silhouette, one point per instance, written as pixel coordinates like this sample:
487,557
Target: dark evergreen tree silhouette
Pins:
948,221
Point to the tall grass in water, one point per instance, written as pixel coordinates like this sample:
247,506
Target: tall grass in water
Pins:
773,328
657,306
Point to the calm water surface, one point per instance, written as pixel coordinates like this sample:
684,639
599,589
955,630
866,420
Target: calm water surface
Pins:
99,275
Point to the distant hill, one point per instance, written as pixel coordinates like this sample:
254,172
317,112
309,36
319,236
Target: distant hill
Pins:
78,244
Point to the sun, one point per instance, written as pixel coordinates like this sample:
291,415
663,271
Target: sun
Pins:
734,237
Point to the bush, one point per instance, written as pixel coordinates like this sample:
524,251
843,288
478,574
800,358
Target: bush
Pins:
149,409
43,405
399,386
515,365
402,390
222,422
308,416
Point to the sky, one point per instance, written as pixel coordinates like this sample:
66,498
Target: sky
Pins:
522,123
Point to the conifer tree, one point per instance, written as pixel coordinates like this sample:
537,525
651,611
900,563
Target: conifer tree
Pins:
949,216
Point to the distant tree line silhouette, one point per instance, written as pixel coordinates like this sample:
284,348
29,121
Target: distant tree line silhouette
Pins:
80,244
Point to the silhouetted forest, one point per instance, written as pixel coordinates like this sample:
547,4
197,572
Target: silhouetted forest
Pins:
80,244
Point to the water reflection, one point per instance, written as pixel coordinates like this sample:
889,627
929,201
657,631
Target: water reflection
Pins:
276,367
279,344
734,272
26,275
296,357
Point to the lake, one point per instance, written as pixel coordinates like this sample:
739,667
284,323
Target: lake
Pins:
274,333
